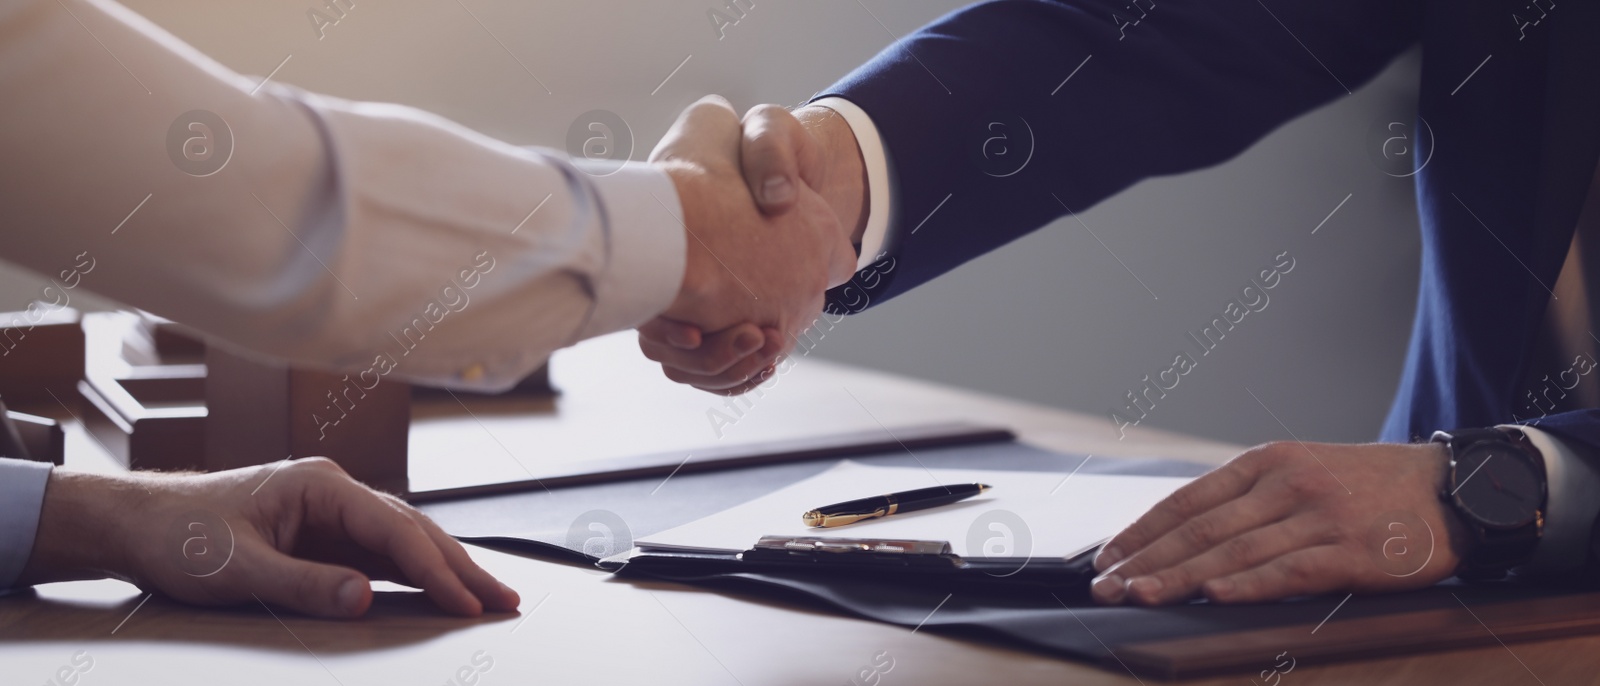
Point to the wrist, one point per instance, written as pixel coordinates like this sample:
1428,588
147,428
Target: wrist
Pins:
690,182
1458,531
77,537
844,186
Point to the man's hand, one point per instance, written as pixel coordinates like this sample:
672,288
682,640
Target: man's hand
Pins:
789,160
1288,519
301,534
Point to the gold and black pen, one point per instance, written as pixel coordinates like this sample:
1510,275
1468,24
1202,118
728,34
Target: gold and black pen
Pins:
852,511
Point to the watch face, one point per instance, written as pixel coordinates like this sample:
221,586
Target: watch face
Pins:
1495,484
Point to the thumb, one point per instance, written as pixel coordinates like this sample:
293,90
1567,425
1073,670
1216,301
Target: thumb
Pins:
777,154
672,332
312,588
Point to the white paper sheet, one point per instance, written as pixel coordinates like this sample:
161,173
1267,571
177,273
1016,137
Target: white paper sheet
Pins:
1026,514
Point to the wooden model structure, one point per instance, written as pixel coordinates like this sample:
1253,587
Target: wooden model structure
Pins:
158,398
41,360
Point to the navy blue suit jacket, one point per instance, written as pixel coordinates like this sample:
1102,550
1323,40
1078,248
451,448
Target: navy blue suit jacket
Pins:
1195,82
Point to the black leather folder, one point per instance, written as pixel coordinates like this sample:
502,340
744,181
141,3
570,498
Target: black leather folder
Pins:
1046,610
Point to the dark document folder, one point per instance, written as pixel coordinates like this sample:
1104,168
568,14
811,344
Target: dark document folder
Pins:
1178,641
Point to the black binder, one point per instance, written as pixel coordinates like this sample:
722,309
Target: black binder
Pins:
1183,640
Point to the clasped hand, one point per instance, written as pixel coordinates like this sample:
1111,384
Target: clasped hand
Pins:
762,250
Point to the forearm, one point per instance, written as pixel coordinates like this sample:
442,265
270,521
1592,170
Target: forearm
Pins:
313,230
78,536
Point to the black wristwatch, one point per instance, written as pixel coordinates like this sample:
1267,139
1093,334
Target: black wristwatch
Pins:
1497,485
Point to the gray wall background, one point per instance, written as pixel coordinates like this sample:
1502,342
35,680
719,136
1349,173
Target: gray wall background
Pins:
1053,317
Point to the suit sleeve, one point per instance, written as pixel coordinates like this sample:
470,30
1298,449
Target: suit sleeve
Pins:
1002,116
1579,428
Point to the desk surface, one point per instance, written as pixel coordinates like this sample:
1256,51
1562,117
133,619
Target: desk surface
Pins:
576,625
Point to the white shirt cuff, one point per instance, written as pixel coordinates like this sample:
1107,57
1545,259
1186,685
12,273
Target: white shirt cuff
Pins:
876,240
22,485
646,246
1570,506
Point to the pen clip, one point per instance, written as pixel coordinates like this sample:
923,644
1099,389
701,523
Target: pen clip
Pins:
818,519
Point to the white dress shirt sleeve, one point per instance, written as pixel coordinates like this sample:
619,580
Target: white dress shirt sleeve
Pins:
22,485
314,230
1570,503
876,240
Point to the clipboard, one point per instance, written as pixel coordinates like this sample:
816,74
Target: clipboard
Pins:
922,562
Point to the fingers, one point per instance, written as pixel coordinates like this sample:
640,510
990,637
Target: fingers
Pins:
1226,483
715,354
494,595
755,382
1193,537
383,527
1181,581
749,373
745,374
671,332
778,154
1303,572
313,588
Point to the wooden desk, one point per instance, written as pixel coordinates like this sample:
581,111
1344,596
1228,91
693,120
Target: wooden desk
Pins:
577,626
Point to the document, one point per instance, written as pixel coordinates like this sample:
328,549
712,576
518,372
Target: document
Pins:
1025,514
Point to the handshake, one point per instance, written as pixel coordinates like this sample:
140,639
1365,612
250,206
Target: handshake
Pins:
772,209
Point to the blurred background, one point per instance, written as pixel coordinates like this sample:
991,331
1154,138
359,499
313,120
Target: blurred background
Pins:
1063,317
